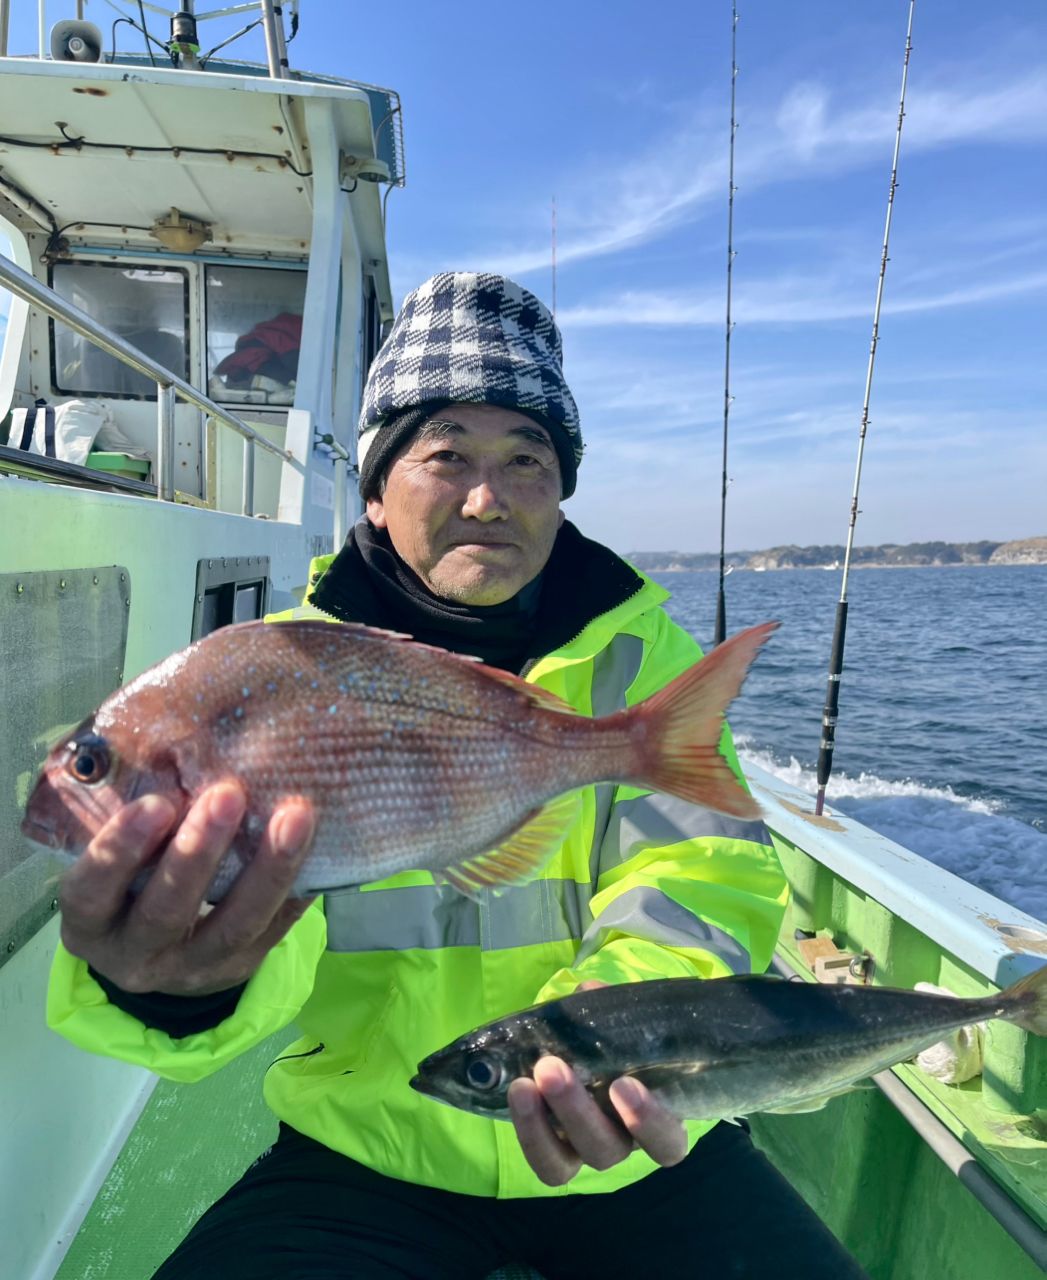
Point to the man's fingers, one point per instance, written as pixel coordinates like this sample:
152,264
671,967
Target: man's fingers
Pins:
597,1140
169,904
257,900
289,914
654,1128
93,892
552,1159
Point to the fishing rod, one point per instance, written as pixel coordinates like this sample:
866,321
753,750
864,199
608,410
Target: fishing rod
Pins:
832,693
554,257
721,608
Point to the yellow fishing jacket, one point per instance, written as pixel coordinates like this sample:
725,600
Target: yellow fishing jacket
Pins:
376,978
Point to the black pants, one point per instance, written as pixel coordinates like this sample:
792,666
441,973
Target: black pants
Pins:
303,1212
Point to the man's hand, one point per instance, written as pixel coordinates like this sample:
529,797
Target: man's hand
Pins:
587,1135
160,940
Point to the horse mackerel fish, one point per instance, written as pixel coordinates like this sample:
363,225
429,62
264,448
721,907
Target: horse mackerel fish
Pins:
717,1048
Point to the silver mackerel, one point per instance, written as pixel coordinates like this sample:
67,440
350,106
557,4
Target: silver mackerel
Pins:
717,1048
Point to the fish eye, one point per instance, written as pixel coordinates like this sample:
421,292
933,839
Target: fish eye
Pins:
483,1073
89,760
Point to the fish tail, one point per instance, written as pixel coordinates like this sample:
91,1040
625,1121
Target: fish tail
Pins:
679,728
1027,1002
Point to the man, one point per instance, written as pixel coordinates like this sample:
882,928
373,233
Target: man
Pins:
469,440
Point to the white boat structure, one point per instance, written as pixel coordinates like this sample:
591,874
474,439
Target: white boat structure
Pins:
198,277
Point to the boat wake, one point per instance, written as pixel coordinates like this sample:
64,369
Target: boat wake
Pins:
865,786
968,836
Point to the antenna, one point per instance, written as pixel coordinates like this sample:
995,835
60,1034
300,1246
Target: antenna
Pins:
183,46
832,693
554,257
721,608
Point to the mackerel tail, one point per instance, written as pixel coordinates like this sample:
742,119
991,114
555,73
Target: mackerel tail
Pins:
1025,1002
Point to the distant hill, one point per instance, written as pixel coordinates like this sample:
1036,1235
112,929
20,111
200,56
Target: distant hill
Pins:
667,561
1022,551
888,555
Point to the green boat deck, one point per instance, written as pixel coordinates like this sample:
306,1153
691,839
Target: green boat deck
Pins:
189,1146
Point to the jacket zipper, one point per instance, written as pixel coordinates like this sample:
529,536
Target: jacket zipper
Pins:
288,1057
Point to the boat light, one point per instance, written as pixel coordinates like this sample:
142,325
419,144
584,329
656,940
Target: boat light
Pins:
180,234
365,169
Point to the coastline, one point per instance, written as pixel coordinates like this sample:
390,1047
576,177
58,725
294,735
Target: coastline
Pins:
918,555
831,568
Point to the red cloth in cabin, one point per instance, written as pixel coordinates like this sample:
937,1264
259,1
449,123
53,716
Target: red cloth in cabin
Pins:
269,350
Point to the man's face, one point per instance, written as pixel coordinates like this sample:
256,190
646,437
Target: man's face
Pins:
472,504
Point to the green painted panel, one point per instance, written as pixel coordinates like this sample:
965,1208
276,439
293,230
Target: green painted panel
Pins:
886,1195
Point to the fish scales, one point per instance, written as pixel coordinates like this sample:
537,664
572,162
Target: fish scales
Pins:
388,748
412,757
717,1048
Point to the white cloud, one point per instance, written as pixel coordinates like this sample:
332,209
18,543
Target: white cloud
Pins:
784,300
633,198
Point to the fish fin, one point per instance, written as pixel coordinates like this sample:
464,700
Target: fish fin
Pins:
817,1103
323,627
1030,995
679,751
533,693
519,858
667,1073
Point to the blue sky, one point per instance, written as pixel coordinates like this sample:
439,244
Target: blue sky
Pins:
621,111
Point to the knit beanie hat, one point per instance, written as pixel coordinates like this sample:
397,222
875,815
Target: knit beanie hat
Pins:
473,338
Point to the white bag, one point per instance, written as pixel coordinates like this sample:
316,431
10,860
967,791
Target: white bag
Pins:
66,431
112,439
33,429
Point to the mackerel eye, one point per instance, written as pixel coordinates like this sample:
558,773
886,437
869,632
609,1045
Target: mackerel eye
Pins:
89,760
484,1073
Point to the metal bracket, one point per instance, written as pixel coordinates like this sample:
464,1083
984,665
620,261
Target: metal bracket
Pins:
829,964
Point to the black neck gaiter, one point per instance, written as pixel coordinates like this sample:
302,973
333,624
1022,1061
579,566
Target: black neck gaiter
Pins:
370,584
497,633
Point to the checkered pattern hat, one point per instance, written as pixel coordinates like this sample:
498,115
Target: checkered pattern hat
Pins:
473,338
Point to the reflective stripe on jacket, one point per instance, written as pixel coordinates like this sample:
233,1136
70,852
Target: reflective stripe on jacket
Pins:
378,977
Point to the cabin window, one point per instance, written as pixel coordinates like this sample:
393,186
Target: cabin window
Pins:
372,326
148,306
254,331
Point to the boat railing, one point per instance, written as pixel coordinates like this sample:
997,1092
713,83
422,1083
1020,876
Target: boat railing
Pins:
169,386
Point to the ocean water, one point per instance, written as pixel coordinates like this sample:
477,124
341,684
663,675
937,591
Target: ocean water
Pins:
941,743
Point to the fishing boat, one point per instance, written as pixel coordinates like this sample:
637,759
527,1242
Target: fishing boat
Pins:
195,254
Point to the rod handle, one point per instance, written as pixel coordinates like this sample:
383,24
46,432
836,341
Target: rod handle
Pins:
720,634
832,696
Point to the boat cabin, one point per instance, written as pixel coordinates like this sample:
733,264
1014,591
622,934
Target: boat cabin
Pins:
227,226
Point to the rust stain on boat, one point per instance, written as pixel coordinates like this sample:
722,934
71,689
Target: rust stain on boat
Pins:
92,90
824,822
1018,937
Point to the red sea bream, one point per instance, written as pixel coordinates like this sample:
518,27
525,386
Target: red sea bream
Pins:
411,756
